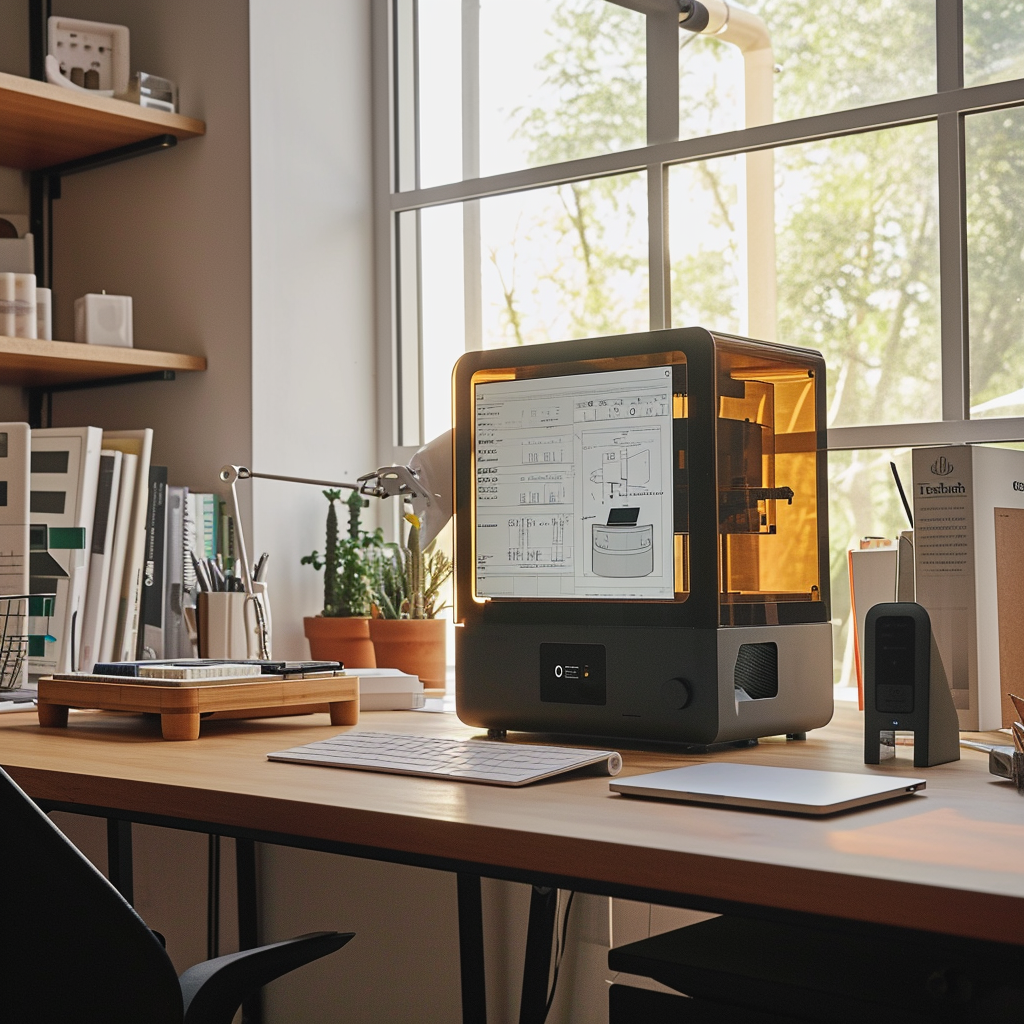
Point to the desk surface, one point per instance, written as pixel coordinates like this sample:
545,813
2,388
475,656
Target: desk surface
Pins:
950,861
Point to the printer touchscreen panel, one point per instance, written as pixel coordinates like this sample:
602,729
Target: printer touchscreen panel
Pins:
573,486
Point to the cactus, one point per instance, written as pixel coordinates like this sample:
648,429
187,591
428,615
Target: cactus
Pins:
331,555
406,580
414,563
347,561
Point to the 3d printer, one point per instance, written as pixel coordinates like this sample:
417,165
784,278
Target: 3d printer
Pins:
642,538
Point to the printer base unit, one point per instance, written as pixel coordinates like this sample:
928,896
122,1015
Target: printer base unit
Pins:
667,684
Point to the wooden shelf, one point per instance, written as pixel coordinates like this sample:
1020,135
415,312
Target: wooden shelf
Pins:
31,363
42,124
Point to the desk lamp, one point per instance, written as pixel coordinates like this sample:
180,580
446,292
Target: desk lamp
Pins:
426,483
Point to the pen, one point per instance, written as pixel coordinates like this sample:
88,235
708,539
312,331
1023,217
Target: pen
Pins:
202,576
217,576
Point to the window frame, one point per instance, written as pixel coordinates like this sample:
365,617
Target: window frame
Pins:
399,412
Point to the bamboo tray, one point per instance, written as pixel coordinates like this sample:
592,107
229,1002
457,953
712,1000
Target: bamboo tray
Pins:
180,707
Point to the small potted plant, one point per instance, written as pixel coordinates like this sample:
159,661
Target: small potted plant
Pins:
407,583
341,631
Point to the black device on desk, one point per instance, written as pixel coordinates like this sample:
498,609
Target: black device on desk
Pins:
905,687
641,538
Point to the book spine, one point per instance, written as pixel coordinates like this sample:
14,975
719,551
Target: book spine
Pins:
15,444
65,466
944,559
175,637
210,543
100,558
190,540
151,614
226,537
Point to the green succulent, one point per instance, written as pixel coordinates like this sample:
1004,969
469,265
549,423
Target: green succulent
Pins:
346,562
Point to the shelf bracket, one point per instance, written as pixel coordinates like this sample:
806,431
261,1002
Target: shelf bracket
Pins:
36,395
111,156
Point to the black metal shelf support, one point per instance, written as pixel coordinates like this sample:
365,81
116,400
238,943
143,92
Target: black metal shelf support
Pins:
36,395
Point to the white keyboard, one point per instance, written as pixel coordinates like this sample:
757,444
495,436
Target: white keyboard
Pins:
491,761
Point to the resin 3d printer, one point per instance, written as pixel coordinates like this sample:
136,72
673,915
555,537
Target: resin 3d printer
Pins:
642,538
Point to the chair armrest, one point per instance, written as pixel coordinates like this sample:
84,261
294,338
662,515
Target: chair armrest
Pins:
213,990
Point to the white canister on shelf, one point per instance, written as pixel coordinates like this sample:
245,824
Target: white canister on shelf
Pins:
25,305
44,314
7,305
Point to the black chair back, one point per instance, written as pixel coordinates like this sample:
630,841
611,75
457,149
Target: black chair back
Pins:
73,949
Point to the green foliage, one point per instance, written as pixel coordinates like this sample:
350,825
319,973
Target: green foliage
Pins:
347,561
595,82
406,581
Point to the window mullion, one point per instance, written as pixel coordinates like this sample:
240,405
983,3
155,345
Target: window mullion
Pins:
662,77
662,126
471,248
385,225
949,54
658,256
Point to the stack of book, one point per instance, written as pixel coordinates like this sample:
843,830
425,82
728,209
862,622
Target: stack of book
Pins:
116,546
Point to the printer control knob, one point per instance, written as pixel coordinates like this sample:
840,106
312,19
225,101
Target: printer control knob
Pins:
676,694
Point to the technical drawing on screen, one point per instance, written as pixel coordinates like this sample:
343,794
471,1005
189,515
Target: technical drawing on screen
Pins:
573,486
641,538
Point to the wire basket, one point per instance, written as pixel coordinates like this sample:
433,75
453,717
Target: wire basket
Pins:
24,633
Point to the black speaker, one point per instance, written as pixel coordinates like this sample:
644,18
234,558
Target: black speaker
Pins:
905,688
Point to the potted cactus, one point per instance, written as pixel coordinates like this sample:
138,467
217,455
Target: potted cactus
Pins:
406,584
341,631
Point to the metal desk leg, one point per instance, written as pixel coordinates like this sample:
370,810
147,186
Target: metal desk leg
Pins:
248,935
537,966
119,857
212,896
471,950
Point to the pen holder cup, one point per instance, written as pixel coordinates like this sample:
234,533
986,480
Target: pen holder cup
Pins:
221,621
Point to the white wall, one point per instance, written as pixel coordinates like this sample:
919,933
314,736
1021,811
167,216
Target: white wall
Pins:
312,286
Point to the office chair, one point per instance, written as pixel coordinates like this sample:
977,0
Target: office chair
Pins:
75,951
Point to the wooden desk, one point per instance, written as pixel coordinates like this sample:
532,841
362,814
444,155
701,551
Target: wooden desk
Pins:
951,861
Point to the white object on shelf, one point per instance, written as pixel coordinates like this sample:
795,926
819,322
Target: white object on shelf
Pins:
44,314
7,305
152,92
18,305
24,305
104,320
87,55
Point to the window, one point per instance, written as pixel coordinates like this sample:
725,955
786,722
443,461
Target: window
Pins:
847,177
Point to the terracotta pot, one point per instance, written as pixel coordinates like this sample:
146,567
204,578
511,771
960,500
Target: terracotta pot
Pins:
416,646
336,639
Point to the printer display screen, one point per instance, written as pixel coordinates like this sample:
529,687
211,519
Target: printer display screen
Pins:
573,486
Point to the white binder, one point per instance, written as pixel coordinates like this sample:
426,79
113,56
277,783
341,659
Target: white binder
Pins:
65,467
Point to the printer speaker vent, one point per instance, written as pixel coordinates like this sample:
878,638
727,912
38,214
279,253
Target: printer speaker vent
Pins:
757,670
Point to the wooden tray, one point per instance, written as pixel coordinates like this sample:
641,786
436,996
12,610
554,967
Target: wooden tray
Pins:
180,707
